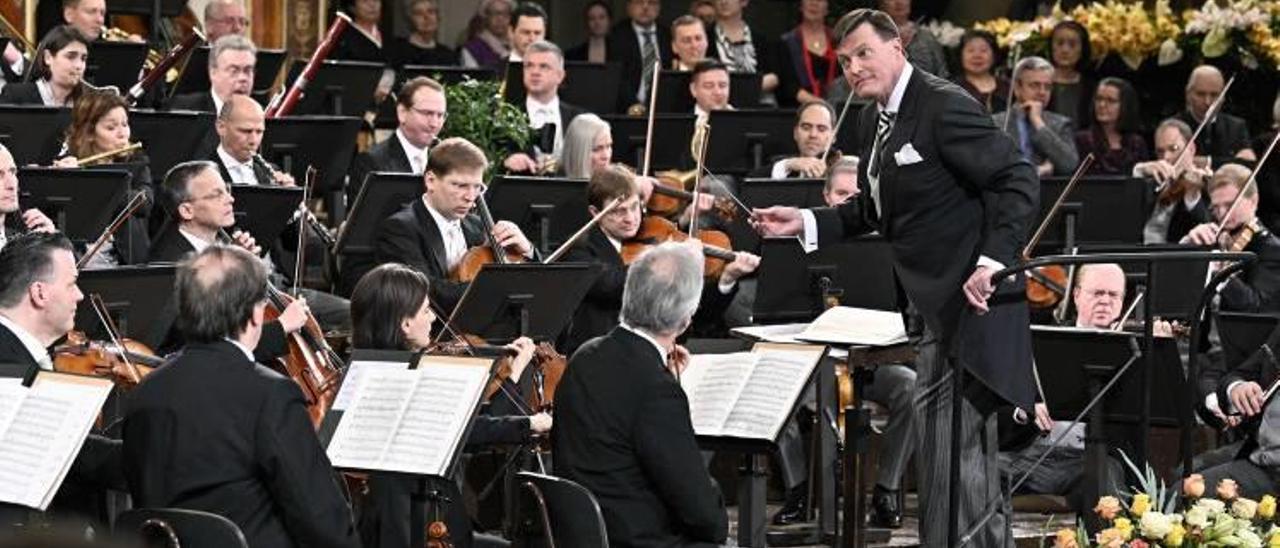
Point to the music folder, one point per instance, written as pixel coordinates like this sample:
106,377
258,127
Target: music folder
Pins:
536,300
81,202
139,299
747,397
33,134
42,428
116,64
265,211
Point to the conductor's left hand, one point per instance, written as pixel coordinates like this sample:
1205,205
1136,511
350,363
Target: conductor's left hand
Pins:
978,288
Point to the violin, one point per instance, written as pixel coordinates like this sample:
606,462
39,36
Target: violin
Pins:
489,252
669,196
656,230
1244,234
1047,285
125,363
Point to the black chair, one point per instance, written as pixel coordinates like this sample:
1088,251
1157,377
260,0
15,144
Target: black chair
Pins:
171,527
566,510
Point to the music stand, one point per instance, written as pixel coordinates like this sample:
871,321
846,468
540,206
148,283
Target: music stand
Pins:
1242,334
791,284
592,86
759,192
80,202
115,64
1113,209
530,299
325,142
155,10
340,88
382,195
513,92
547,209
33,134
139,299
742,140
170,137
447,75
194,77
265,211
672,133
674,96
1180,282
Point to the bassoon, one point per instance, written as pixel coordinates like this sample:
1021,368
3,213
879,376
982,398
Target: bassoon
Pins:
283,103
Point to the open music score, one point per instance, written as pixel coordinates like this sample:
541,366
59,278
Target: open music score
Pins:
748,395
407,420
845,325
41,431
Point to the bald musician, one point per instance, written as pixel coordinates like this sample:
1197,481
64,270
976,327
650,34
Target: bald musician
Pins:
13,221
240,126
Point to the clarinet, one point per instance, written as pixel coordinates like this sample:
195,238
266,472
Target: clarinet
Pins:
303,214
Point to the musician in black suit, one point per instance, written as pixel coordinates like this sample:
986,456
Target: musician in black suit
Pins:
38,297
231,64
955,200
548,115
1257,288
633,40
622,421
1226,137
601,247
12,221
432,234
213,431
56,74
421,110
1174,215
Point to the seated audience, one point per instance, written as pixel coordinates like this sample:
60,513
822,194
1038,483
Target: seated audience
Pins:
1114,135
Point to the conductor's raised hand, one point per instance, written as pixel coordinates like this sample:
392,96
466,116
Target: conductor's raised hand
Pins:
777,221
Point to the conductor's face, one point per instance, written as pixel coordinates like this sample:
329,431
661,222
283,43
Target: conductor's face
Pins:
209,202
455,193
871,64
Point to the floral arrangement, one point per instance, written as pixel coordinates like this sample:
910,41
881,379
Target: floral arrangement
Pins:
1148,520
944,32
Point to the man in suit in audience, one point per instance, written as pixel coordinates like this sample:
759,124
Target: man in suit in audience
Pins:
223,18
813,134
636,43
421,110
1226,138
548,115
38,298
1045,138
955,200
231,63
1257,288
433,233
215,432
688,42
622,420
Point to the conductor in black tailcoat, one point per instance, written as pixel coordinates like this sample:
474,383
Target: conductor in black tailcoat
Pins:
955,201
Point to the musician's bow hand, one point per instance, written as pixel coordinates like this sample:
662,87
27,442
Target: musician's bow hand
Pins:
777,221
540,423
1246,397
1203,234
524,348
743,263
295,315
36,221
677,360
979,287
812,168
644,187
245,240
1043,421
509,236
520,163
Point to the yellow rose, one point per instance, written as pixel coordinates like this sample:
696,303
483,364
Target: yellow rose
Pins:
1193,486
1141,503
1066,538
1124,526
1227,489
1267,507
1175,536
1108,508
1274,541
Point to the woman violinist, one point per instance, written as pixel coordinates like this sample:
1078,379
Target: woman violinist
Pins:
391,310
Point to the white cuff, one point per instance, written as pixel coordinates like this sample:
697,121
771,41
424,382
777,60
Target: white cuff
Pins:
779,170
990,263
725,288
1211,403
1230,408
809,238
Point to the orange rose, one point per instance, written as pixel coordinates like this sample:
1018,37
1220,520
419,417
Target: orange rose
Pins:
1108,508
1193,486
1227,489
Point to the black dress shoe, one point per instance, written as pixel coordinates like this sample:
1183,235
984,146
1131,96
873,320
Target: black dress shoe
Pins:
792,511
884,509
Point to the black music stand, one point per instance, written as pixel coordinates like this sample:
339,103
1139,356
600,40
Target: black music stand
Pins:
265,211
791,284
195,72
754,192
340,88
534,300
447,75
170,137
116,64
513,92
742,140
155,10
80,202
592,86
674,96
33,134
1112,210
671,133
325,142
382,195
547,209
139,299
1242,334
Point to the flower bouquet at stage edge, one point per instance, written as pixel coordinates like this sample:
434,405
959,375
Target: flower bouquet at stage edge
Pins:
1154,516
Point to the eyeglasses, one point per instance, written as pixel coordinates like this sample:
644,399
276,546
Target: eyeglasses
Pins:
246,70
230,20
466,188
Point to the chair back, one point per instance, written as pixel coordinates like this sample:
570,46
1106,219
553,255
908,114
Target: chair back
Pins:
180,528
569,513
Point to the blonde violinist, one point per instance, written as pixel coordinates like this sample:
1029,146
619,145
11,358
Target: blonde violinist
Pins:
1257,287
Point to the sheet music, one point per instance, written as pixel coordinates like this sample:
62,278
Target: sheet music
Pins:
43,435
856,326
713,383
355,374
369,424
765,402
778,333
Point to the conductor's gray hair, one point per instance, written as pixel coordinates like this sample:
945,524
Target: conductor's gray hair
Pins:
663,289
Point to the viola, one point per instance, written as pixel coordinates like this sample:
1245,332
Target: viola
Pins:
656,230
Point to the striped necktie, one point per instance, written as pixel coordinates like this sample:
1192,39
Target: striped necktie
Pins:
883,126
650,57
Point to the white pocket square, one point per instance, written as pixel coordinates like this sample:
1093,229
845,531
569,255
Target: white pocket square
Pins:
907,155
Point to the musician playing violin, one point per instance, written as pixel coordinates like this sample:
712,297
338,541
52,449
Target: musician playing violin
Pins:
38,298
602,247
13,221
1257,287
391,310
432,234
212,431
1183,202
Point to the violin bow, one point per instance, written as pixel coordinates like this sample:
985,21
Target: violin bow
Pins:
1209,116
1119,326
1008,101
1248,184
564,248
299,267
1053,211
835,132
100,309
139,199
653,103
697,181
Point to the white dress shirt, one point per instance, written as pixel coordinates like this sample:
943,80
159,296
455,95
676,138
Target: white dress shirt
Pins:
196,242
217,102
241,172
541,114
455,243
38,351
417,155
661,351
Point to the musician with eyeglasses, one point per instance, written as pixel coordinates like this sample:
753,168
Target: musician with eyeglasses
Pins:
1257,287
232,60
223,18
421,110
